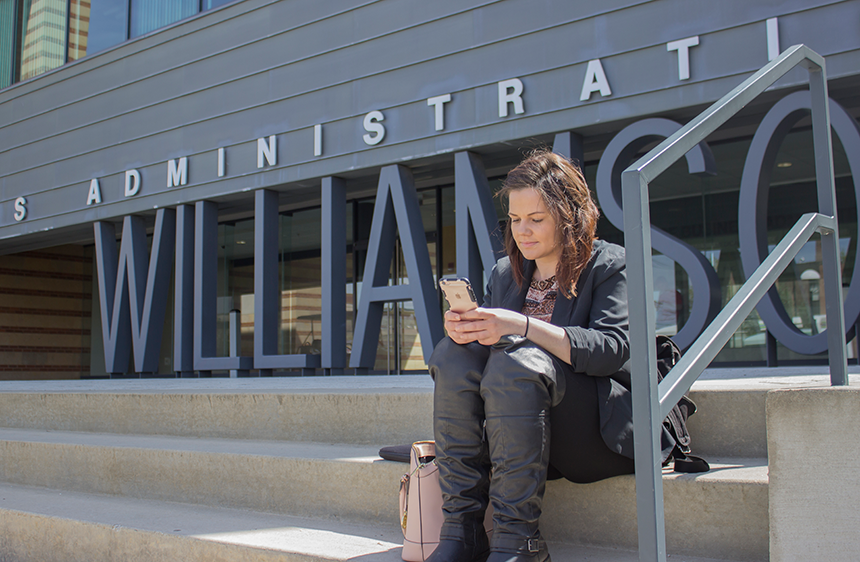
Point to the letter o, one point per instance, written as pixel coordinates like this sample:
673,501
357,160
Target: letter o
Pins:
752,212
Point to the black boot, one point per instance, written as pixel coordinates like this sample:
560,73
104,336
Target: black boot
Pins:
518,388
461,452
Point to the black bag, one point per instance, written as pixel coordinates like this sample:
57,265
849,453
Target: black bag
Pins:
668,354
396,453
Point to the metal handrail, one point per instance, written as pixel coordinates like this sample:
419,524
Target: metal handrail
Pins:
652,402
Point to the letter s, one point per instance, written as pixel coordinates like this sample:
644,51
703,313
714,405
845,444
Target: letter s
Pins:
618,155
372,125
20,209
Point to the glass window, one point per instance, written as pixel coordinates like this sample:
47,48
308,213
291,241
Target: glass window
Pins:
108,25
148,15
7,42
301,282
43,36
448,235
235,285
209,4
79,23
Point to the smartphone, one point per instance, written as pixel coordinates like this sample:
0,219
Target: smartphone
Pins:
459,294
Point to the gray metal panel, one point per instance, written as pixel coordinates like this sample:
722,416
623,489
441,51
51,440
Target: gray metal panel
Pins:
258,68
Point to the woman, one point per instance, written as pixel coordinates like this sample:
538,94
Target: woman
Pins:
548,351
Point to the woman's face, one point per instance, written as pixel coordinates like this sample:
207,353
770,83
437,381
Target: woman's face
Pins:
533,226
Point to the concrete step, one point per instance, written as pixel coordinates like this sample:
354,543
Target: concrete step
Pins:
350,410
724,511
303,479
358,410
44,525
731,421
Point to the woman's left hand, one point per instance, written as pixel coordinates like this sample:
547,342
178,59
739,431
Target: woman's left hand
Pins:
484,325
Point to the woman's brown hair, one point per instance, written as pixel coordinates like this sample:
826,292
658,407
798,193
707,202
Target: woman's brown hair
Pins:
565,194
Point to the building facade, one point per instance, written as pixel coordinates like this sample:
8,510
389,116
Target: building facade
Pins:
295,176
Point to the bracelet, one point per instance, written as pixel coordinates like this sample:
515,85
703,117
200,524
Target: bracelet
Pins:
526,334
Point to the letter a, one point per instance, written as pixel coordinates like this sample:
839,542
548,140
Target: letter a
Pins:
396,209
95,194
595,81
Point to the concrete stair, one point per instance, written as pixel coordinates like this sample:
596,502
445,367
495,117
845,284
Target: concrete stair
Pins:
286,469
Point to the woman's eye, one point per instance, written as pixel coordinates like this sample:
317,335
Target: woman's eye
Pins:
537,221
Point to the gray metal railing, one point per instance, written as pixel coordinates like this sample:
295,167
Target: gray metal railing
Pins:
652,402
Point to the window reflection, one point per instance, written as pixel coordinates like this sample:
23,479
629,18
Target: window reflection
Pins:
43,36
235,285
108,25
149,15
39,35
301,283
7,41
79,24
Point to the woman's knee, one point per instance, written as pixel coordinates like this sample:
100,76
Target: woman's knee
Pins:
520,368
452,359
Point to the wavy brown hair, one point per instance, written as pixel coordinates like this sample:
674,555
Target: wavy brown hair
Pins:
564,192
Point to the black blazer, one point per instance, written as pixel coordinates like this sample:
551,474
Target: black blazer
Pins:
596,324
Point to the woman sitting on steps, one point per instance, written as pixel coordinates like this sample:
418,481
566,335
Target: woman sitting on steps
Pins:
547,351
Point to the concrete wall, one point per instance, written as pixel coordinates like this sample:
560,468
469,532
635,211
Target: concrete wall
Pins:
814,492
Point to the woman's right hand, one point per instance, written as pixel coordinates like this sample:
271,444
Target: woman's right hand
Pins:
452,321
483,325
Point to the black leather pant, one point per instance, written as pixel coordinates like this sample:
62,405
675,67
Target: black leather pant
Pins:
511,386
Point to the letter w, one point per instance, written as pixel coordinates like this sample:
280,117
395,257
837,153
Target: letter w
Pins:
134,298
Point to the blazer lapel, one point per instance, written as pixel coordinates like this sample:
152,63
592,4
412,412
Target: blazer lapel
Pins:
562,310
515,297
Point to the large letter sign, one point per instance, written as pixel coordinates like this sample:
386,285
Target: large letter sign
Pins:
396,209
752,211
134,299
479,239
617,156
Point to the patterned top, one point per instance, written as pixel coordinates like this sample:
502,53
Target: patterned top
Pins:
540,300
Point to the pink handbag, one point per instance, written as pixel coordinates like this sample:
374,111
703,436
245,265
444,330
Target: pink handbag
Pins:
421,504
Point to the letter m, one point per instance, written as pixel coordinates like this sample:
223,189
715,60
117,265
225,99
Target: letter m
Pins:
177,172
133,295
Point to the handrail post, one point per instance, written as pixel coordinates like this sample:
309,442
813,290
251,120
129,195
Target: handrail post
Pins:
646,407
826,188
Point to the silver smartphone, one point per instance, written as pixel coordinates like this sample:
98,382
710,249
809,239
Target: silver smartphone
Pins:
459,294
